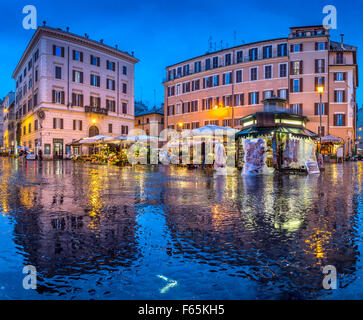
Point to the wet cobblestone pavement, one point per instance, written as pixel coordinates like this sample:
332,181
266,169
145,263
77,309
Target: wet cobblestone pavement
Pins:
103,232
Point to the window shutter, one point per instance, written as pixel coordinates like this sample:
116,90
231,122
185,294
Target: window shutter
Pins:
62,51
98,101
291,48
324,82
61,123
80,124
74,54
326,109
74,124
344,76
335,119
343,120
323,65
316,46
62,97
249,98
291,67
224,78
291,107
98,61
81,56
203,104
257,97
73,75
335,76
81,100
300,108
73,99
316,66
316,109
53,96
301,67
301,47
301,85
316,83
53,50
54,123
90,59
344,97
81,77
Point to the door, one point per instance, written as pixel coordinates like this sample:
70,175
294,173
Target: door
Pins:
57,148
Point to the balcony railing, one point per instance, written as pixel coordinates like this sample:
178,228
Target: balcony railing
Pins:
98,110
342,60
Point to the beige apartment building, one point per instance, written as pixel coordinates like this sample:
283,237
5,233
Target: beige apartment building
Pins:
223,86
70,87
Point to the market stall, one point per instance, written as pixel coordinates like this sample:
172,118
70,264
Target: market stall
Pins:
275,139
330,146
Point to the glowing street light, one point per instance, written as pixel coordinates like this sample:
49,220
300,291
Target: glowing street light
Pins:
93,121
320,89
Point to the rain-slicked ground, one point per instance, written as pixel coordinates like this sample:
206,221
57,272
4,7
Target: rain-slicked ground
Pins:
103,232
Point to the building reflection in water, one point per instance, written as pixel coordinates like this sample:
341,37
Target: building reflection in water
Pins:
70,220
278,231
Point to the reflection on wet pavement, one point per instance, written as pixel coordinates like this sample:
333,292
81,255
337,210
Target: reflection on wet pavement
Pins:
103,232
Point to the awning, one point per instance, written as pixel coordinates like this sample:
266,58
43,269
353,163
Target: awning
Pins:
331,139
261,131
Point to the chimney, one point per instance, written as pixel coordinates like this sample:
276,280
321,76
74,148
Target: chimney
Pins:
67,29
132,53
342,40
86,35
44,23
101,40
116,46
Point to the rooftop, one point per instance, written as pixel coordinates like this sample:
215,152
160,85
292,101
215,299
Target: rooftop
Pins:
142,110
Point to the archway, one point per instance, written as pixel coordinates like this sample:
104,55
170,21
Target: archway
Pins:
93,131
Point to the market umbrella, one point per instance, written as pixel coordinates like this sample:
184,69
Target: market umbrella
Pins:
210,130
93,140
330,138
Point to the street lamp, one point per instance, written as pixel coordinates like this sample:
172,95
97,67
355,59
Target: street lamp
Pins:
320,91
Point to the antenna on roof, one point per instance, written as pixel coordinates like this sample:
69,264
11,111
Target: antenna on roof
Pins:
210,49
234,38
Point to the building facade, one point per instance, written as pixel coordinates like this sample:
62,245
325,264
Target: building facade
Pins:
223,86
7,123
145,116
69,87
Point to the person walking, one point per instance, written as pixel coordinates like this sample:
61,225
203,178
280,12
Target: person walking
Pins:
40,154
203,154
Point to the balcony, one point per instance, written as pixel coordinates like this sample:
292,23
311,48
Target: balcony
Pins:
340,61
98,110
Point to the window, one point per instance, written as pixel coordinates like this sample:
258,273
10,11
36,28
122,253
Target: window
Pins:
239,99
186,87
296,85
171,91
124,107
322,129
178,89
110,65
227,59
58,96
35,99
171,110
197,66
195,125
215,62
268,72
296,108
320,108
339,96
77,55
282,93
186,70
339,76
296,67
124,70
340,58
227,101
77,99
179,72
36,125
339,120
283,70
24,130
319,65
95,61
95,102
253,98
77,76
125,130
77,124
30,84
227,78
36,75
298,47
95,80
319,81
267,52
195,85
320,46
267,94
239,76
110,105
30,63
57,123
124,88
178,108
186,107
58,51
252,53
110,128
58,72
30,128
239,56
253,74
282,50
30,105
194,106
36,55
207,64
110,84
216,81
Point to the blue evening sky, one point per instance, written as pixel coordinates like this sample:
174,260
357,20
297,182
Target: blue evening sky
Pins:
162,32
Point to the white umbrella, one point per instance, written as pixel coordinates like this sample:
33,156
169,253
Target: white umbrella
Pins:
142,137
210,130
330,138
